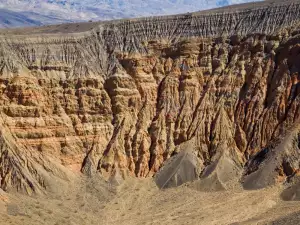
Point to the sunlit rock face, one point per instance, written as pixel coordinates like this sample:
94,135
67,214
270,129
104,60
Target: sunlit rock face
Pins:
126,96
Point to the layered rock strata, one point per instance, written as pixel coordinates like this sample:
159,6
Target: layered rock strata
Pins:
122,98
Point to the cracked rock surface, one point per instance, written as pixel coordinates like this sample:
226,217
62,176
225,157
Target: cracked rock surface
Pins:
122,98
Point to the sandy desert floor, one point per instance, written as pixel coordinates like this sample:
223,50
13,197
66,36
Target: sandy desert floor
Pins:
139,201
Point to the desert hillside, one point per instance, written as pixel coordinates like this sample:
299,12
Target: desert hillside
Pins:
208,101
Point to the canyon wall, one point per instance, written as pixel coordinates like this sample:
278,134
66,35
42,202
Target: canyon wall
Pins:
127,95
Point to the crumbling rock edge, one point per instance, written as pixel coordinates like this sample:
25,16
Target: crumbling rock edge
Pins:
122,99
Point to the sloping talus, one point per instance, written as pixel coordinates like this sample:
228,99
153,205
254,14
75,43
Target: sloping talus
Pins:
123,97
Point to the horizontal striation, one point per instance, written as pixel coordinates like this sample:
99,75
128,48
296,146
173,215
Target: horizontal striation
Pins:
130,94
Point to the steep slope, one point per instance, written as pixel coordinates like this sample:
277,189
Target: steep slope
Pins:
279,162
121,98
53,11
182,168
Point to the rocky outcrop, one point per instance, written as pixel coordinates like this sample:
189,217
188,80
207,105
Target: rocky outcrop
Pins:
279,162
121,99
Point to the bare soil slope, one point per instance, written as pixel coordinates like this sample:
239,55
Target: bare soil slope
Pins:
80,103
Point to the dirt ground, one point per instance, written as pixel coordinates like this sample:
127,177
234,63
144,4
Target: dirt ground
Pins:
139,201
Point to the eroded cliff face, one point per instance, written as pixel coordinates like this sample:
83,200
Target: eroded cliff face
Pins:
127,96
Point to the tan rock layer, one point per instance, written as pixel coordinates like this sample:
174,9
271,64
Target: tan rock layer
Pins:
110,105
